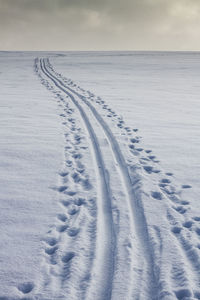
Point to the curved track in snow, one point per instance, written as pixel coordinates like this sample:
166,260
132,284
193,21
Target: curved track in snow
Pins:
134,252
138,222
108,235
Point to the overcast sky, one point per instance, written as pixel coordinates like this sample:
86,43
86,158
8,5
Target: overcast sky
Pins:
99,24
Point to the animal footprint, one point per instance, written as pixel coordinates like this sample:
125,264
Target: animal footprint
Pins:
63,174
148,169
77,156
66,203
185,202
162,185
77,139
127,129
139,149
148,151
80,201
26,287
176,229
73,210
152,157
180,209
131,146
186,186
86,184
68,257
73,231
71,193
62,217
76,177
143,159
188,224
156,171
61,228
183,294
133,140
51,241
51,251
69,163
61,188
156,195
165,180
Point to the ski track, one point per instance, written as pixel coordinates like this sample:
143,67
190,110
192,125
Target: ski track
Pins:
109,236
137,212
177,279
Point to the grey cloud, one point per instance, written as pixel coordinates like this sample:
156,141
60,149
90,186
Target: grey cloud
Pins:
94,24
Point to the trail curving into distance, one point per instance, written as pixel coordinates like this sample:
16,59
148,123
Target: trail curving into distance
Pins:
134,252
108,234
138,220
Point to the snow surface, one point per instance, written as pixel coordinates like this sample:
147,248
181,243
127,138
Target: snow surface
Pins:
100,175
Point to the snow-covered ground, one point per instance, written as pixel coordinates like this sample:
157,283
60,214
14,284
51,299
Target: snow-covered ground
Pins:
100,175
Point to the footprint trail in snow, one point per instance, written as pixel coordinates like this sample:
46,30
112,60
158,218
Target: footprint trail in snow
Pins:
108,241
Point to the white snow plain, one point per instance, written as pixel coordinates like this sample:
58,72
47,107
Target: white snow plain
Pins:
100,175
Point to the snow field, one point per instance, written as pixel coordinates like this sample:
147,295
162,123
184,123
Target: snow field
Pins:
115,224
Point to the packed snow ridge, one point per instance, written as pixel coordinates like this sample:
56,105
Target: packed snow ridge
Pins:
122,229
